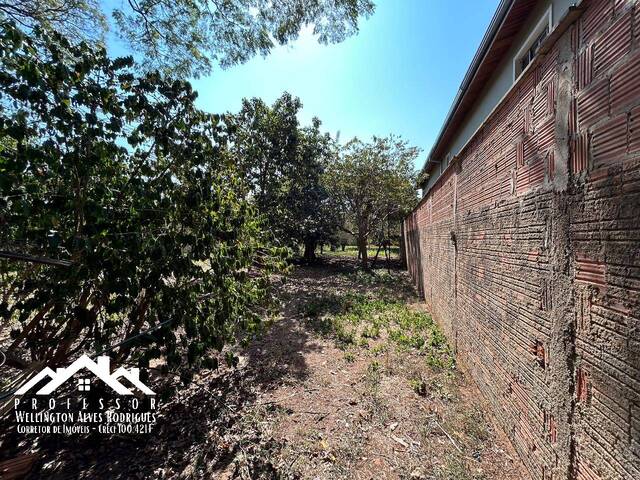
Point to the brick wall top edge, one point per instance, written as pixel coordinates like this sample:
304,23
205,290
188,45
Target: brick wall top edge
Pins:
510,98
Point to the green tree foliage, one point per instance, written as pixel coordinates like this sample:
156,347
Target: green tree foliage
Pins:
372,184
283,164
124,177
312,217
188,37
265,148
76,18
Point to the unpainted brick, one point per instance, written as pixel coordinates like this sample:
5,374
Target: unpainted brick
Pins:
610,140
537,284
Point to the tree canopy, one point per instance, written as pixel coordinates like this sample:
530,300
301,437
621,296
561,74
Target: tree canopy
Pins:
189,37
121,176
371,184
282,164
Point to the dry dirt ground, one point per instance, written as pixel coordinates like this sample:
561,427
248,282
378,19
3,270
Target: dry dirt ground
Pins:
353,380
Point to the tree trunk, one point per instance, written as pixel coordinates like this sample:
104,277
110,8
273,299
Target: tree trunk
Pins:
310,250
344,246
375,259
362,247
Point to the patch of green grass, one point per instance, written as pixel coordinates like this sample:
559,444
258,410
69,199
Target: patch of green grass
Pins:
375,403
440,390
372,278
322,306
355,318
374,373
453,469
371,331
343,334
381,285
323,325
439,361
419,386
352,251
379,349
407,340
475,425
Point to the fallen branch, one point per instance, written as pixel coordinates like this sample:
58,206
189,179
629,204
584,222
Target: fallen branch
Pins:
448,436
400,441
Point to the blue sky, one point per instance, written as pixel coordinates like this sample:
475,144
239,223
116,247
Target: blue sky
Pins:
398,75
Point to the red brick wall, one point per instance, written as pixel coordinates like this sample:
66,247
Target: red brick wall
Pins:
527,250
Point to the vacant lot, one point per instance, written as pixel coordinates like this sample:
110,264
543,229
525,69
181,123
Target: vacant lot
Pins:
353,380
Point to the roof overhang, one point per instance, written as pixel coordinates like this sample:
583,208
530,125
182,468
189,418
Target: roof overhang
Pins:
498,39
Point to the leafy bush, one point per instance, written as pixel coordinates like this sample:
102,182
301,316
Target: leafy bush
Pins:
125,178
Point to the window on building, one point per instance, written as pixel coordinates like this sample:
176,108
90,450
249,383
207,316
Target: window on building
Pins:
447,159
531,46
533,49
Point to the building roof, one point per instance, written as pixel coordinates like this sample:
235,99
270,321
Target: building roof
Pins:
503,29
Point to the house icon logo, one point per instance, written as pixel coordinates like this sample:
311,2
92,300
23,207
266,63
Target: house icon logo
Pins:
101,369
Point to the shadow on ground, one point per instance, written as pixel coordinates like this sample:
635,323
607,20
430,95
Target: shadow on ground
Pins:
202,429
300,404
